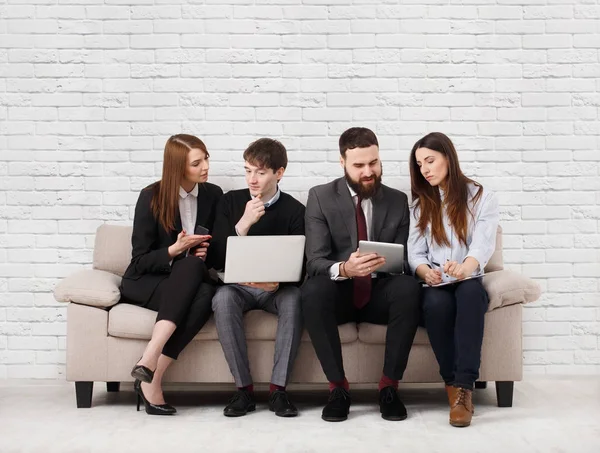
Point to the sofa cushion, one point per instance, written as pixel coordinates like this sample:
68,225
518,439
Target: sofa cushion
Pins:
131,321
112,248
375,334
507,288
89,287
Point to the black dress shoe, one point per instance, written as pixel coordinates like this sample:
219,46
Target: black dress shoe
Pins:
338,405
142,373
240,404
151,409
281,404
390,406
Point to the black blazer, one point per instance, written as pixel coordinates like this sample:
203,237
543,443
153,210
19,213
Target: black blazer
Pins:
331,231
150,242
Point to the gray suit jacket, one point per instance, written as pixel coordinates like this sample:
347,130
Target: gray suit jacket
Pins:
331,231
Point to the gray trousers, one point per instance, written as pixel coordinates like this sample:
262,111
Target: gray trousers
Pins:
232,301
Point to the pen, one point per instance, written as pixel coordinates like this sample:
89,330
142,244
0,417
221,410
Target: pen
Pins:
438,265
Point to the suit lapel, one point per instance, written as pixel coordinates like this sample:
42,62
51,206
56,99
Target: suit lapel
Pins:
347,210
178,226
380,210
202,206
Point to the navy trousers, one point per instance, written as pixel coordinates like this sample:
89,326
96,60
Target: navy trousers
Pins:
453,316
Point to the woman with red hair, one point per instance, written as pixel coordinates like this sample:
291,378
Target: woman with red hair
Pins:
168,273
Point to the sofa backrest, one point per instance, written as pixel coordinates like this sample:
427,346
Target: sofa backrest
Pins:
112,250
496,262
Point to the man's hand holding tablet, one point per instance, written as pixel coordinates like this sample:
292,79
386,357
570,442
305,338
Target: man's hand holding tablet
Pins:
393,255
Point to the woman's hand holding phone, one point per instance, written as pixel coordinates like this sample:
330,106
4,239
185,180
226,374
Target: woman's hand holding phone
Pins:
185,242
201,250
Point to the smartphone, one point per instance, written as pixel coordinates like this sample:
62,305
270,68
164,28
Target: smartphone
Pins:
200,230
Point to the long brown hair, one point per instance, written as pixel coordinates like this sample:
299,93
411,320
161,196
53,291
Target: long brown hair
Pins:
165,199
427,197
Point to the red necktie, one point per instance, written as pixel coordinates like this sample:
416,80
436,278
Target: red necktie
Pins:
362,285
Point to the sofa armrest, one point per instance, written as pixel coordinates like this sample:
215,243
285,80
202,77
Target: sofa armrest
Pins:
508,288
89,287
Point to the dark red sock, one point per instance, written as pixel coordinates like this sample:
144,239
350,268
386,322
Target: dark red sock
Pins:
387,382
248,388
273,387
344,384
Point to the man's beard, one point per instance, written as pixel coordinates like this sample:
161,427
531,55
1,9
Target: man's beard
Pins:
364,192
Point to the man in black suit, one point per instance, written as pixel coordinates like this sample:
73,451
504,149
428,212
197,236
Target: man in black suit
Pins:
344,286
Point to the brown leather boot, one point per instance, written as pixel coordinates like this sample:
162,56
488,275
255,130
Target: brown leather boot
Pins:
451,392
461,406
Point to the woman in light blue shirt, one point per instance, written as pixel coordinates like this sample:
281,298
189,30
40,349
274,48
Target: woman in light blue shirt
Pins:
452,237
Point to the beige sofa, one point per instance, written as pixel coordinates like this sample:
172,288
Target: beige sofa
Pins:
105,338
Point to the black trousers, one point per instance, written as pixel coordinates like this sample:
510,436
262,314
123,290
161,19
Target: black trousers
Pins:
454,318
184,298
327,304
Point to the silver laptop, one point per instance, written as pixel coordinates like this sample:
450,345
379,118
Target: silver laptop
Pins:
260,259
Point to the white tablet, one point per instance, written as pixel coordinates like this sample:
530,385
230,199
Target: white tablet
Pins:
393,254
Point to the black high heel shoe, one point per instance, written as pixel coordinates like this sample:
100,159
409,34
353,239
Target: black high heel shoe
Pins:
151,409
142,373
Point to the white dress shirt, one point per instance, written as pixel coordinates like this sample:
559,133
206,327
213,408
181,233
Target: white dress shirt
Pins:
481,236
273,200
367,206
188,209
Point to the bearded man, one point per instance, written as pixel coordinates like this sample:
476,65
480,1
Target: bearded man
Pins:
345,285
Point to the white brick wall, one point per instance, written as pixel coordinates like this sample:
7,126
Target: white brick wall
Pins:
90,91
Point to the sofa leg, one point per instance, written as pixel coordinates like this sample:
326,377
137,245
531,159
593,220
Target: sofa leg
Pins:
113,386
504,393
481,385
83,393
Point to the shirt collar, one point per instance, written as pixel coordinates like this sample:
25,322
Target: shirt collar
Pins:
442,196
352,192
273,200
183,194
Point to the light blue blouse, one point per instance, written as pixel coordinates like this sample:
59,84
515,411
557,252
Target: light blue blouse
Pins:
481,236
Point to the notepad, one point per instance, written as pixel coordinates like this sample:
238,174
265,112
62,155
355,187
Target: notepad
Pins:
456,281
